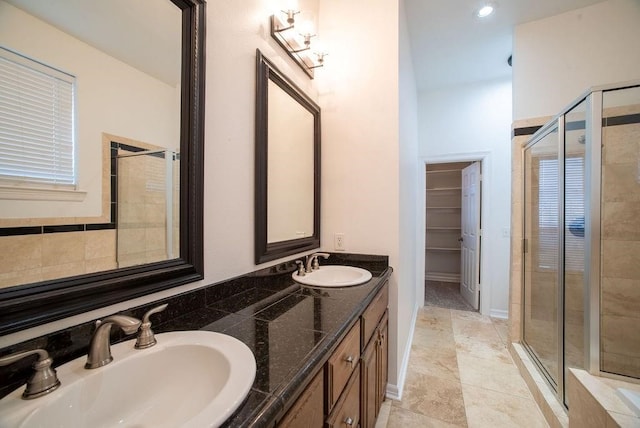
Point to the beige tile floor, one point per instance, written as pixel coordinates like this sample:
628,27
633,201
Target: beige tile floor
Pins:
460,374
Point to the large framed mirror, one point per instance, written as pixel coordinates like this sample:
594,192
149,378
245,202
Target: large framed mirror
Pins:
166,141
287,166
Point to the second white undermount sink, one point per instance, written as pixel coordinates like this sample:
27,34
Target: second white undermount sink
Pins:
334,276
190,378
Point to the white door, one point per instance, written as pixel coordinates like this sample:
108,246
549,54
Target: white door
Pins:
470,239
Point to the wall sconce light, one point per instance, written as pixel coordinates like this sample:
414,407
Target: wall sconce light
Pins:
319,59
291,19
295,39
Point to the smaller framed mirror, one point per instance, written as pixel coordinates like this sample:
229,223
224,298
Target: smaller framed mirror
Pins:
287,179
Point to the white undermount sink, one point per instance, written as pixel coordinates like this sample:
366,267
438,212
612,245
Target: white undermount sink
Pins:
190,378
334,276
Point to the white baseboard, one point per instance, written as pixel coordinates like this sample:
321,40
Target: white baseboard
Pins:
499,313
394,391
443,277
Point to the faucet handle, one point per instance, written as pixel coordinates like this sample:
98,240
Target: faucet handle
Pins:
146,338
44,379
315,264
300,268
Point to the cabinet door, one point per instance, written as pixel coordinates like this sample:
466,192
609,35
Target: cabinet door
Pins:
382,360
372,315
369,385
308,411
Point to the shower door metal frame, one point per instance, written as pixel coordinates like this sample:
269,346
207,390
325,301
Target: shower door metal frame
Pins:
592,222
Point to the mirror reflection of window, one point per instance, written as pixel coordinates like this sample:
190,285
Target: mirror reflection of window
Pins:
574,213
37,129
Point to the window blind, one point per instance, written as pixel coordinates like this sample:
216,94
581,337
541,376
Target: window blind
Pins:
548,221
36,123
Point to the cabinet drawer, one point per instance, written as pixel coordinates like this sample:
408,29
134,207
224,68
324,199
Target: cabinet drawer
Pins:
347,411
373,313
342,363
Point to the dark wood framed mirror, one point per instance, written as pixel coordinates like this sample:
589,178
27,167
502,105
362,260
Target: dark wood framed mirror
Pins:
287,176
29,305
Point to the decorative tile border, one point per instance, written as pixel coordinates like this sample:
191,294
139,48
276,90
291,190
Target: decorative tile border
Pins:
628,119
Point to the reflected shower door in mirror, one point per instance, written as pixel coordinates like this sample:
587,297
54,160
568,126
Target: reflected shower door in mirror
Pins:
148,195
103,100
287,166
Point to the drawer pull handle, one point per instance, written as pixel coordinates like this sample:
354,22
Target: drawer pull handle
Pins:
349,422
349,360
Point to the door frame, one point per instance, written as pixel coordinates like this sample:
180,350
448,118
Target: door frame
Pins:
484,157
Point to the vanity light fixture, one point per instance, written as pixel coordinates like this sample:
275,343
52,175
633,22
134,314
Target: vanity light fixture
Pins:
295,39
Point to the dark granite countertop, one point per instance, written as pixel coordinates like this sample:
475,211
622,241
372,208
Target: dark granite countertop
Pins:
291,329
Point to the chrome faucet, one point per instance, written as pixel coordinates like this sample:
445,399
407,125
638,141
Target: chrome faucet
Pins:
312,261
99,347
44,379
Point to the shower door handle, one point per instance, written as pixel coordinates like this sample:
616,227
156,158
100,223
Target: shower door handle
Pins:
460,239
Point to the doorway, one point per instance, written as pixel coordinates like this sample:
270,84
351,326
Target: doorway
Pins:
453,234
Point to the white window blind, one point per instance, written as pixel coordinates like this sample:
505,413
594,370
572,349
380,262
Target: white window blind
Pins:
548,221
36,123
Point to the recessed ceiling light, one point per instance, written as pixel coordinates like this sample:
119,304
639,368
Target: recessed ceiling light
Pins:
485,11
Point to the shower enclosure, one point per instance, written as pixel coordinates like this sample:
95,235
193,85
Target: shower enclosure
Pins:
147,206
581,269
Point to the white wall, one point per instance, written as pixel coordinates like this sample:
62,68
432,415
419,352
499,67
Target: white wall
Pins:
557,58
235,29
472,122
111,97
411,267
360,143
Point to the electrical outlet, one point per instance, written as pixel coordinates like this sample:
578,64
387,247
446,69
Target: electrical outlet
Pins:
338,242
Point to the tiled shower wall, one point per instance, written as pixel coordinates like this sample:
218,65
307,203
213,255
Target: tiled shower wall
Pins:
31,258
40,249
620,271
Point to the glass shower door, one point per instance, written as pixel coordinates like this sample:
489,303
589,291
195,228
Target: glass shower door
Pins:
575,142
147,207
541,219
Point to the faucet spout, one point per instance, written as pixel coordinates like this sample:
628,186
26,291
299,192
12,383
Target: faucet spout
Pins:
99,347
312,261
